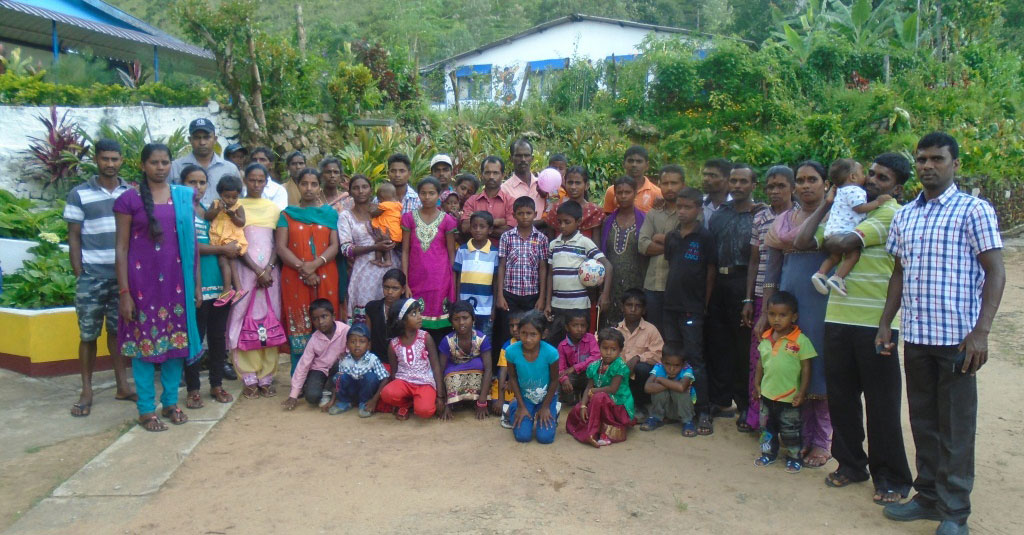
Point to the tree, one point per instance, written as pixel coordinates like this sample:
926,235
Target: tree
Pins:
226,31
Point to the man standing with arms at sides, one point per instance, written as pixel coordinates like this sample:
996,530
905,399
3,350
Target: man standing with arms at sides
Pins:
727,337
522,182
715,177
398,174
949,275
441,169
853,367
491,199
635,163
651,242
89,213
203,138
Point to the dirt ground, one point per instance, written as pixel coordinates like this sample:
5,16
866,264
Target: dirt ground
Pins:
269,471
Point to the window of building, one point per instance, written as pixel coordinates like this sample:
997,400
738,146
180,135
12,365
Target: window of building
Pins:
474,82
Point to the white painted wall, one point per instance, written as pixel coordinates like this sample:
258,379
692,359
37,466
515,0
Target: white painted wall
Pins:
574,39
20,123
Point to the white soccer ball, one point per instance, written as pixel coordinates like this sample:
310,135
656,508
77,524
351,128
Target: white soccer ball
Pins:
591,273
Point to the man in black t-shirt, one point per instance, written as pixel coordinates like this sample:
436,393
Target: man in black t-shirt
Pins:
692,260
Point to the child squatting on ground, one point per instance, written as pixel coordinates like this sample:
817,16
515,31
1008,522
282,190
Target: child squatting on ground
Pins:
360,376
319,360
781,381
670,386
849,208
533,373
227,218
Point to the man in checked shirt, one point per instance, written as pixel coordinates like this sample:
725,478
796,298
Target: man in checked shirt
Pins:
949,276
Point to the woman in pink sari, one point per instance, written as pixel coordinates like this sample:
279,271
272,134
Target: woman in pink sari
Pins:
258,273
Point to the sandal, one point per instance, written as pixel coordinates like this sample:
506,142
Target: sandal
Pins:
193,400
175,414
743,427
887,496
221,395
152,423
268,391
689,430
652,423
402,414
238,296
81,410
224,299
704,425
251,392
792,465
816,461
838,480
764,460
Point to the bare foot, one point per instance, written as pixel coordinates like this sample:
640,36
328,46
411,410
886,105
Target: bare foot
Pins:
126,395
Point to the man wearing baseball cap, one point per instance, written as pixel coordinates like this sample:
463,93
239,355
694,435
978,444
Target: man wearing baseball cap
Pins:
441,169
203,137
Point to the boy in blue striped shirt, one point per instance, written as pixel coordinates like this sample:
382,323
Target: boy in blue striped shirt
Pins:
476,262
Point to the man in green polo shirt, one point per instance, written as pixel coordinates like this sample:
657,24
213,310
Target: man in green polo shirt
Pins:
852,365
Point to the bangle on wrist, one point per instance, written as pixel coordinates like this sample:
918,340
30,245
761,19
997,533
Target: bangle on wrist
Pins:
748,300
123,291
481,403
321,257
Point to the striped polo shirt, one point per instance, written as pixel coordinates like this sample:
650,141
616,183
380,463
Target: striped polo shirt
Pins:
92,207
475,269
565,257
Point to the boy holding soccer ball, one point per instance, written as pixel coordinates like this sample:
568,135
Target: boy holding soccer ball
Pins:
566,253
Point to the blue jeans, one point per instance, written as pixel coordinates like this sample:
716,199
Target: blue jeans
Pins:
170,376
357,391
484,324
526,430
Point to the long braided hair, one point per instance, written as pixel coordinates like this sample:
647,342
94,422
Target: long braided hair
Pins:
155,232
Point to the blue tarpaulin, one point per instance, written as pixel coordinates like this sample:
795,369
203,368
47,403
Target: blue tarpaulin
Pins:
548,65
623,58
469,70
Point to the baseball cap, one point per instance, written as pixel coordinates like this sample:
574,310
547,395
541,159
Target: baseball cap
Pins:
200,124
441,158
233,148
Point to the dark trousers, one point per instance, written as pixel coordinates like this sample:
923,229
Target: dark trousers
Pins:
782,420
687,331
943,419
852,368
638,379
516,303
728,349
357,391
213,323
656,310
579,384
315,384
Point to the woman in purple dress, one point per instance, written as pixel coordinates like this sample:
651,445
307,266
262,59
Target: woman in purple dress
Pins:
157,275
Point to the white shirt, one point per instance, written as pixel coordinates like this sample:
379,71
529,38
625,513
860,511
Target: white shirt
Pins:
841,217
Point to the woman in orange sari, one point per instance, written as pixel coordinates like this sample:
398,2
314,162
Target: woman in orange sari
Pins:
307,242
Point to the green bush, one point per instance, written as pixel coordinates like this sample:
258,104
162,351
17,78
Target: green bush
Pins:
33,90
46,281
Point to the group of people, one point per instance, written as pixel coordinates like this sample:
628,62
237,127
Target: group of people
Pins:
426,297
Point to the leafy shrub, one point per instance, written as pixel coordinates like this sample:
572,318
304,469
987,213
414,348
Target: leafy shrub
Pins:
17,89
46,281
132,139
26,219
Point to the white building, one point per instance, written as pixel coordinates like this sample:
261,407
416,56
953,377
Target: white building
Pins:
496,71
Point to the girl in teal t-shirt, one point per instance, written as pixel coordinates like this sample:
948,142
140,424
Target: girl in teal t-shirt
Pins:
606,411
533,374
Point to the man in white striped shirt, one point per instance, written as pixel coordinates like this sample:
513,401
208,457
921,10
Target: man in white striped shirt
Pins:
91,235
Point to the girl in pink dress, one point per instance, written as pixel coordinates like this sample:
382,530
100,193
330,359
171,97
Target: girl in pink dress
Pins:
428,252
415,372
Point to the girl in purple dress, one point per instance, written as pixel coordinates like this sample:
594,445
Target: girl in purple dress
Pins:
465,357
428,253
157,274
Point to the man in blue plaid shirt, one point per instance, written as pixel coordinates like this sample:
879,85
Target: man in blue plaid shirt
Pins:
949,276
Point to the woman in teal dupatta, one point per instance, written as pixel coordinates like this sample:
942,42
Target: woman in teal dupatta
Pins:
158,280
307,242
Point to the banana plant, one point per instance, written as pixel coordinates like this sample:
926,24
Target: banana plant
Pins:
865,26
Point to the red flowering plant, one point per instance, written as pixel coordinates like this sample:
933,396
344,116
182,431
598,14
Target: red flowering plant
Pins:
59,153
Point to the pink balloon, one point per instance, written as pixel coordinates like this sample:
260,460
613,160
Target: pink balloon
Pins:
549,180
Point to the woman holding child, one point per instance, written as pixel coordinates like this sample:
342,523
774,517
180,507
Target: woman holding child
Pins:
789,268
358,242
158,279
307,242
258,274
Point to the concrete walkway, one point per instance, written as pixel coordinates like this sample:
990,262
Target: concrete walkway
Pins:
118,480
